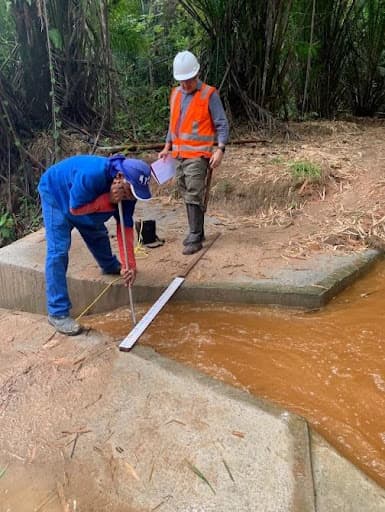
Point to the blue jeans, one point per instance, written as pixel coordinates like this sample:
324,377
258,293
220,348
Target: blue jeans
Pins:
58,229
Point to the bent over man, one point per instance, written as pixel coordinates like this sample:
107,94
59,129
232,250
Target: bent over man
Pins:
83,192
197,120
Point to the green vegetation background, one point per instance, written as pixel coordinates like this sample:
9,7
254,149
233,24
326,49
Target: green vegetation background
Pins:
104,70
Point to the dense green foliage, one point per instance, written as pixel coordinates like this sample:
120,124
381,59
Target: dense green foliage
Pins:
105,68
145,36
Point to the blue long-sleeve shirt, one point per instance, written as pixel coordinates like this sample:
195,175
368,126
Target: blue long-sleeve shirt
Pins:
77,181
217,113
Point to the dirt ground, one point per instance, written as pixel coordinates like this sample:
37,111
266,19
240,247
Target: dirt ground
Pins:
344,211
254,187
269,219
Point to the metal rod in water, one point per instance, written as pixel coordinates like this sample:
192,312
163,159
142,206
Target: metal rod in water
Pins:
122,229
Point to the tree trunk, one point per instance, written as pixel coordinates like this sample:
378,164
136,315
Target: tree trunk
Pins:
304,100
33,53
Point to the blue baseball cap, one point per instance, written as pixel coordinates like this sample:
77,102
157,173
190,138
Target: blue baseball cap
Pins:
136,172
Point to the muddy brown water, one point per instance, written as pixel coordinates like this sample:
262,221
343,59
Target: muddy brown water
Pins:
327,366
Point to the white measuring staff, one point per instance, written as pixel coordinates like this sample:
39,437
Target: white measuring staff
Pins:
142,325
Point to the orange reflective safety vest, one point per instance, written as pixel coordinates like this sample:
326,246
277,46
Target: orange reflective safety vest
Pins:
194,135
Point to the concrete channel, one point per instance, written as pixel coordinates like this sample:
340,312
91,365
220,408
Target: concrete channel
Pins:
281,465
22,281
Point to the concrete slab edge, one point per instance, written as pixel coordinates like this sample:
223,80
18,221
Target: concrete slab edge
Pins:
304,495
346,275
339,484
23,289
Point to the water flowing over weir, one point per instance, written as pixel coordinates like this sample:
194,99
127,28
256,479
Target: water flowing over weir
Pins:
327,366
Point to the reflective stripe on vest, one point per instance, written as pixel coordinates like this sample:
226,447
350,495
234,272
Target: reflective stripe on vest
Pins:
200,149
196,135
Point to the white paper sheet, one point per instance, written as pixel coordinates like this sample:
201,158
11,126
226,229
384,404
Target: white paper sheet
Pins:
164,169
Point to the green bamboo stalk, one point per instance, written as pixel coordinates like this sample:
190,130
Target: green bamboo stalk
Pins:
54,107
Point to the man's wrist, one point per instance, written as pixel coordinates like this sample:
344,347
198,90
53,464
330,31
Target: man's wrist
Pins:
222,148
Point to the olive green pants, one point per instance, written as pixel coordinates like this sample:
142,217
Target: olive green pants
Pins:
191,179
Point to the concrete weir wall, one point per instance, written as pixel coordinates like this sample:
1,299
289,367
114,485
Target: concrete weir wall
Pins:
284,465
22,281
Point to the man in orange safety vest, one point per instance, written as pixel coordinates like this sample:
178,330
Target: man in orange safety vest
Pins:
197,136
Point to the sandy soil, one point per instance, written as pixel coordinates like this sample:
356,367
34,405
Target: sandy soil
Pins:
300,214
269,219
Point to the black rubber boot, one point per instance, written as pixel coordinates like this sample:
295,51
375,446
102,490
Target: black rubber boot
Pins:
196,219
191,237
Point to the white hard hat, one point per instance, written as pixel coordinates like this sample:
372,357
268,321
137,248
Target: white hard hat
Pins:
185,66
